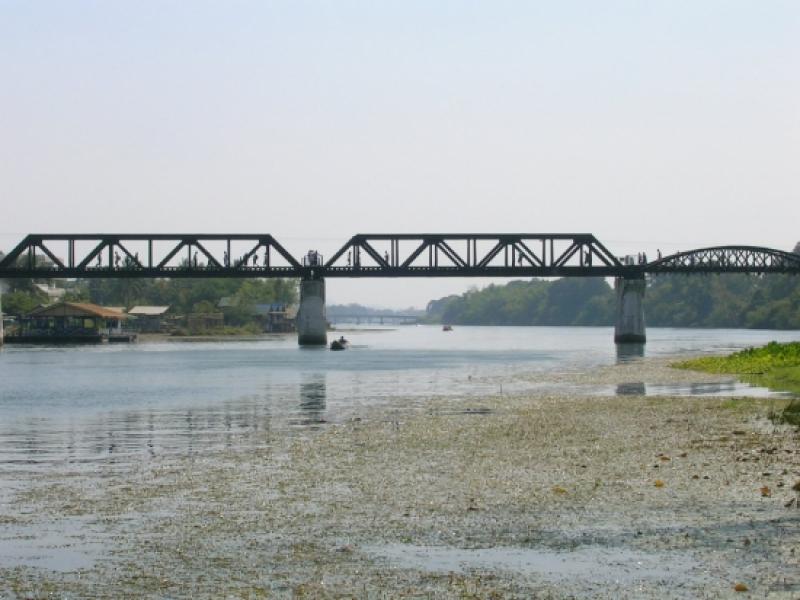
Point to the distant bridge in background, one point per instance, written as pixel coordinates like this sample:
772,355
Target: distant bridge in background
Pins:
48,256
381,319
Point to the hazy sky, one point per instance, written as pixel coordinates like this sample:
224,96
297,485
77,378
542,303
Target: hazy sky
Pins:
672,124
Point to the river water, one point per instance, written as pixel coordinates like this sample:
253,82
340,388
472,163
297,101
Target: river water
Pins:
79,405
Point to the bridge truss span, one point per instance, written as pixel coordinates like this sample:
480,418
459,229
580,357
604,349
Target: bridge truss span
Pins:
728,259
149,255
466,255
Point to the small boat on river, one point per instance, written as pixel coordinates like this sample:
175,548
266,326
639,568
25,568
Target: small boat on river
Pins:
340,344
447,328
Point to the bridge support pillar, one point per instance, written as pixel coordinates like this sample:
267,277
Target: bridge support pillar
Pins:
312,327
630,311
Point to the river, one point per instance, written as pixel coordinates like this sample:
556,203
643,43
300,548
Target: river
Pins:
94,403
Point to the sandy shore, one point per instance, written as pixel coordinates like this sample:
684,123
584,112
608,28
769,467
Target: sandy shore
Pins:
551,495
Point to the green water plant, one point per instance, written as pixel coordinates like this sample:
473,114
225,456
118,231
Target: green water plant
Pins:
775,366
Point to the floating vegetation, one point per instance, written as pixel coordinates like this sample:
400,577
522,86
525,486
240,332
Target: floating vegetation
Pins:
776,366
311,514
751,361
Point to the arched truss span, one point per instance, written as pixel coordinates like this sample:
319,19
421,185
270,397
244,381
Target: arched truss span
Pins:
728,259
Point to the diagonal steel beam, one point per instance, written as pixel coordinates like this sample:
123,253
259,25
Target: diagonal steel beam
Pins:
181,245
339,253
529,254
374,254
451,254
484,262
92,254
413,256
127,253
50,255
608,257
10,259
272,242
207,254
567,254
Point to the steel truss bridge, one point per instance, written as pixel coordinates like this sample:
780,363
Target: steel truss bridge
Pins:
379,318
41,256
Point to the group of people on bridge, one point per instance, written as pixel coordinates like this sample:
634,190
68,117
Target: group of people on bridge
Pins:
242,261
314,259
641,258
133,262
128,263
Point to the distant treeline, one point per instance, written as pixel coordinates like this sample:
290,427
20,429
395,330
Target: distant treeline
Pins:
184,296
730,300
579,301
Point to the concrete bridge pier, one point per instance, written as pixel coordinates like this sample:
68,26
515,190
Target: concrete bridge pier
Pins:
629,327
312,327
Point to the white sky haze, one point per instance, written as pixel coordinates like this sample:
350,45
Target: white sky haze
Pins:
666,125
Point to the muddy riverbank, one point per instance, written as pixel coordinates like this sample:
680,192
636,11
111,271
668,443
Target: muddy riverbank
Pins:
551,495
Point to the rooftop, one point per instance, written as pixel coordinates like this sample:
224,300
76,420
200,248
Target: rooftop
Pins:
67,309
148,311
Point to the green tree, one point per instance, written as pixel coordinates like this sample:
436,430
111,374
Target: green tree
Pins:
728,300
536,302
21,302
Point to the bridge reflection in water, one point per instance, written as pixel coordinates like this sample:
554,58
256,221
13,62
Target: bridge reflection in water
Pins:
629,352
39,442
705,388
313,395
375,319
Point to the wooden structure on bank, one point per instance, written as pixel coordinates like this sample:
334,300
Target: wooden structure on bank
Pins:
71,322
277,317
149,319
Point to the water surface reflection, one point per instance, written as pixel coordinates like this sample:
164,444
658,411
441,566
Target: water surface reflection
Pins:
631,389
717,388
312,400
127,403
151,432
629,352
